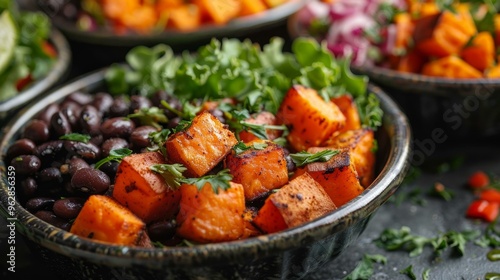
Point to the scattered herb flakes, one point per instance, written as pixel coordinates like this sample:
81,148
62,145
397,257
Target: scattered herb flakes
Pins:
409,272
403,239
439,190
364,268
426,274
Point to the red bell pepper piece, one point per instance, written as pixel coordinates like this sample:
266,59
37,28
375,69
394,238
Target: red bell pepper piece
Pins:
482,209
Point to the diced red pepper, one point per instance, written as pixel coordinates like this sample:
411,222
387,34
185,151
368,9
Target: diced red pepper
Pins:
479,179
490,195
21,83
482,209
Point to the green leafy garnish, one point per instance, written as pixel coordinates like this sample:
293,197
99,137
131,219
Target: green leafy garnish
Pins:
303,157
152,116
403,239
364,269
218,181
408,271
172,173
439,190
158,140
114,155
85,138
182,126
240,147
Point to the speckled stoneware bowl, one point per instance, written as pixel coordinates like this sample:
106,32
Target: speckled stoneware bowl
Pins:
462,109
290,254
37,88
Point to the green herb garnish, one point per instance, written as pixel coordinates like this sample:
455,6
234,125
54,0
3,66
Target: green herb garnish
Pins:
158,139
218,181
364,269
150,116
172,173
114,155
77,137
303,157
408,271
240,147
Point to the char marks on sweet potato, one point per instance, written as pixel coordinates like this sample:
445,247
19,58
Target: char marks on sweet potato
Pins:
301,200
310,119
144,191
259,171
201,146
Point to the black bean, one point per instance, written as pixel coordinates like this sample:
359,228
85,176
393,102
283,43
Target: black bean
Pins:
140,136
50,150
39,203
68,208
37,131
175,103
71,111
50,175
60,124
110,168
82,98
102,101
97,139
137,102
120,107
26,164
117,127
88,151
219,114
90,180
23,146
161,230
90,120
113,144
158,96
76,163
51,218
46,114
172,123
29,186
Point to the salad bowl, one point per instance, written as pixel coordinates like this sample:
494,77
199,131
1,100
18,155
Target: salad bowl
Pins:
289,254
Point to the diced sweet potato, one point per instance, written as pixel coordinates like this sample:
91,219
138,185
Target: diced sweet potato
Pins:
185,17
104,219
309,118
259,171
299,201
201,146
361,142
250,229
348,107
207,217
219,11
250,7
263,118
338,176
144,191
481,52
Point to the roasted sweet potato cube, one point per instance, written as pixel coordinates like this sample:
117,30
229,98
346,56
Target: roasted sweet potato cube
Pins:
361,142
263,118
301,200
248,216
259,171
104,219
144,191
310,119
201,146
338,176
348,107
206,216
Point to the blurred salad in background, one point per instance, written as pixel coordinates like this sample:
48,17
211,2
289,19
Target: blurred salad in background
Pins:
26,54
442,38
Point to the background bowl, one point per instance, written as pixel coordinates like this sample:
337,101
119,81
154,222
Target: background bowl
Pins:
290,254
239,26
463,109
37,88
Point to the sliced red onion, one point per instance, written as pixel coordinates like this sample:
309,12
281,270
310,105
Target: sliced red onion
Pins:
312,10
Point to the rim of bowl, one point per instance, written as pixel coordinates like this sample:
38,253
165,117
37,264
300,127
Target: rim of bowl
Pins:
384,185
55,74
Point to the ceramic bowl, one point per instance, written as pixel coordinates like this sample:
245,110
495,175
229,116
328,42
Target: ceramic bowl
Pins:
289,254
459,109
37,88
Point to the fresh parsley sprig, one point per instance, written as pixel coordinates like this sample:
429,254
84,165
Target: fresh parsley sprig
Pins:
218,181
158,139
77,137
241,147
114,155
152,116
364,268
172,173
303,157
